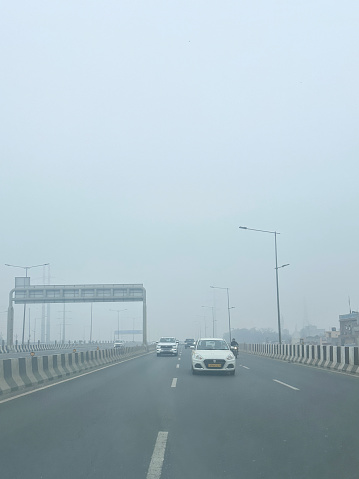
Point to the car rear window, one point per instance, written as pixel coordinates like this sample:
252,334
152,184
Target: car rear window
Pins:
210,344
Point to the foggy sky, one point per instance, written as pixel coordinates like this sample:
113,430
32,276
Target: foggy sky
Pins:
137,136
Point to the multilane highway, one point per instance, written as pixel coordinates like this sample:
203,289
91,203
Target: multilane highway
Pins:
150,418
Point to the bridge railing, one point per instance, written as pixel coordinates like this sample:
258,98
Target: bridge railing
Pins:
55,346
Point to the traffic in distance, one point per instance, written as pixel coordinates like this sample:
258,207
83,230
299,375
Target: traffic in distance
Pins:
208,354
189,342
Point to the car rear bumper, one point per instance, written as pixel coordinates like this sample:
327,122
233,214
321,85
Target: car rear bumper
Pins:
201,367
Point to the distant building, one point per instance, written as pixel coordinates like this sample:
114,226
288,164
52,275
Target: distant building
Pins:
313,340
332,338
312,335
349,329
296,337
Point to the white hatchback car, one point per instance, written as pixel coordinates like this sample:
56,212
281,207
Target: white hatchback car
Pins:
213,354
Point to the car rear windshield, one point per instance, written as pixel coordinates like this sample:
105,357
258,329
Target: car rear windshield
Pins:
167,340
211,344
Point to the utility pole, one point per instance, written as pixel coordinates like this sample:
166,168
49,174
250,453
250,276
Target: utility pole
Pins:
63,324
34,331
91,326
29,325
48,325
43,308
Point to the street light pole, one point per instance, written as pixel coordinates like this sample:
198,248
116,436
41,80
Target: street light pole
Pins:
279,324
91,326
275,233
212,308
199,328
118,311
205,326
29,326
276,280
229,310
26,268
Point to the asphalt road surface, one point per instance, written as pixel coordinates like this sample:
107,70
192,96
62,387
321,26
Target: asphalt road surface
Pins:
150,418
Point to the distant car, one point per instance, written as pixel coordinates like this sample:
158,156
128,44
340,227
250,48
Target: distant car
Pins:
118,344
189,342
213,354
167,345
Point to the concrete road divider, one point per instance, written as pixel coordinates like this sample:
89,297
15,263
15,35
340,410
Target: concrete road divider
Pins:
21,373
339,358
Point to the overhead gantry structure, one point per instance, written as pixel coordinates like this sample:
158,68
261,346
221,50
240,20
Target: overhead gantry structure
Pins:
24,293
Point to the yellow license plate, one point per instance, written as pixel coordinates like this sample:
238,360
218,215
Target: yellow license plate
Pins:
214,365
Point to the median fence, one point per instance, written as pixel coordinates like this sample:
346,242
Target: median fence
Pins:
28,347
21,373
340,358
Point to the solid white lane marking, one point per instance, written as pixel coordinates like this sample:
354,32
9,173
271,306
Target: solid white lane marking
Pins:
155,469
174,383
71,379
287,385
177,365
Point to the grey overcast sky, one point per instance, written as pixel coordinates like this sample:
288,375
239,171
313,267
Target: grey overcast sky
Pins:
136,136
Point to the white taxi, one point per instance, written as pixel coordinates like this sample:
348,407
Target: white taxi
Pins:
213,354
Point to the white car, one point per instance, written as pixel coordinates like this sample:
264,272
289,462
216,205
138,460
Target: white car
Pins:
213,354
167,345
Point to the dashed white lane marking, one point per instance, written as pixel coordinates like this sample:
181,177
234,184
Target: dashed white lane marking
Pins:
287,385
177,365
245,367
179,359
174,383
155,469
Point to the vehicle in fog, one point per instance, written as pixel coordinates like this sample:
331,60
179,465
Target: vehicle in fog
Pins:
189,342
213,354
234,350
167,345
